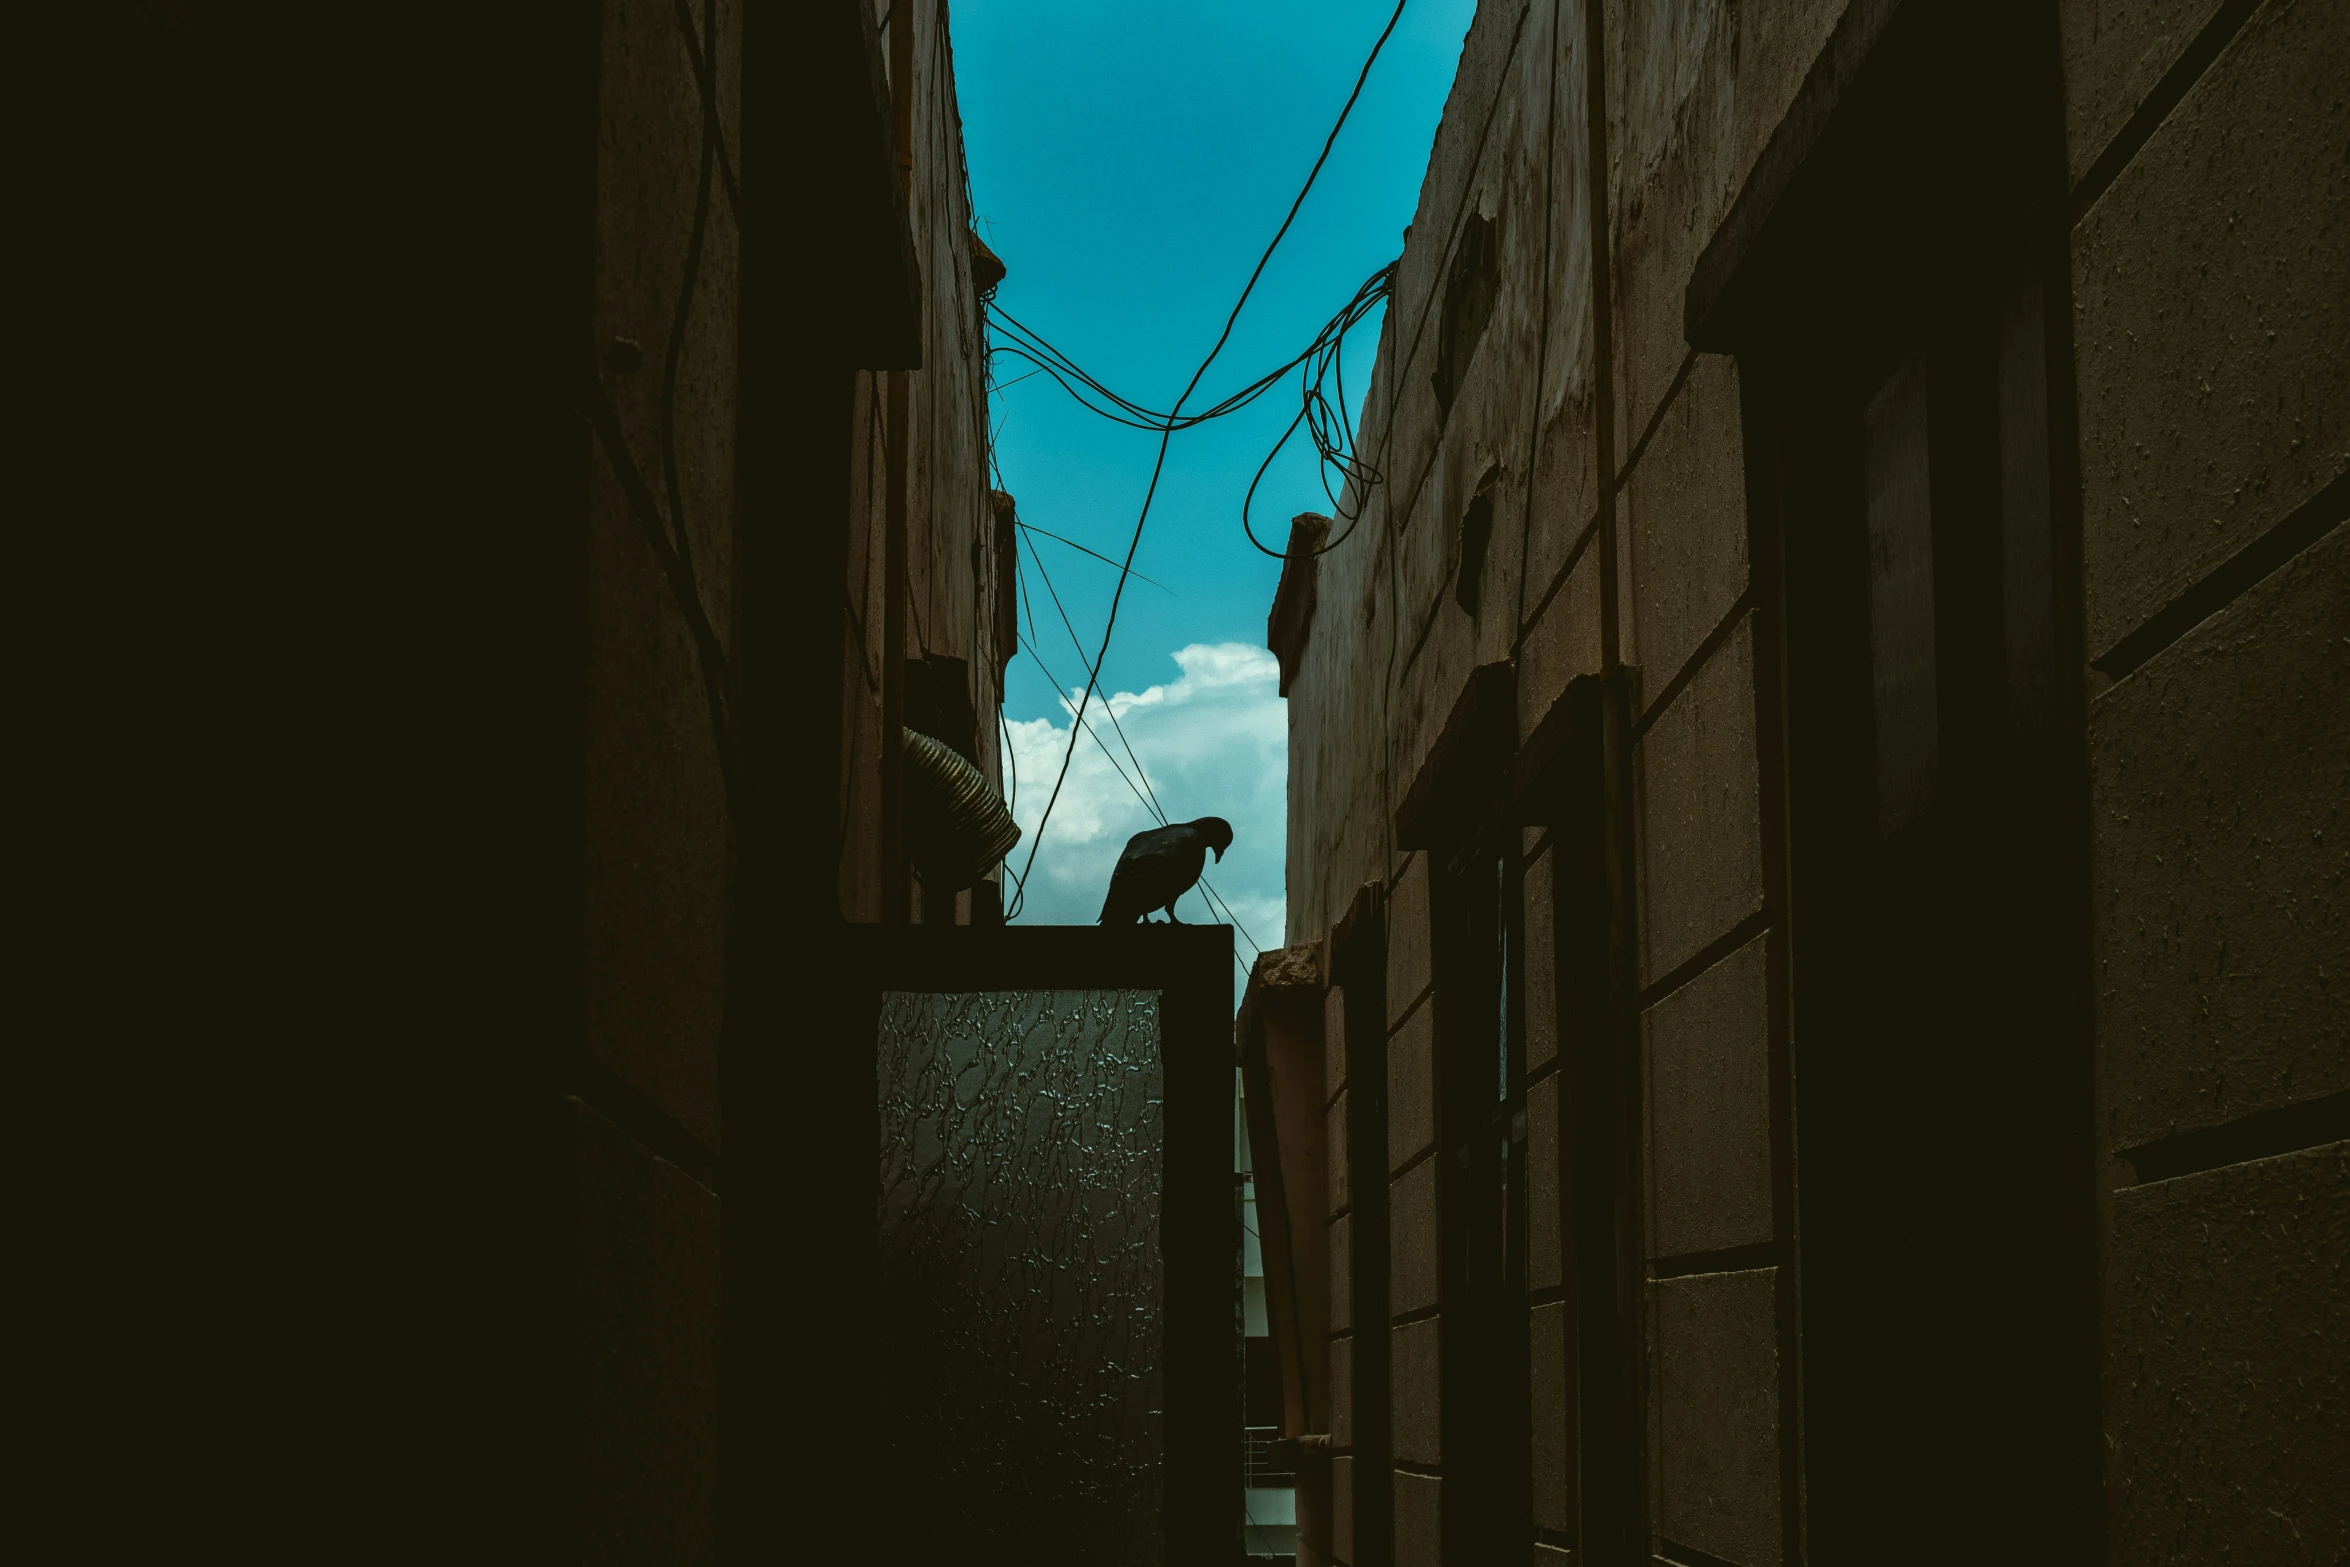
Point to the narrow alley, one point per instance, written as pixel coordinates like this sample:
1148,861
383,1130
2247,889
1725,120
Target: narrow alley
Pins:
1697,655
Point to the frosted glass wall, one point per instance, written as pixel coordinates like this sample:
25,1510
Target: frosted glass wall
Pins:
1020,1385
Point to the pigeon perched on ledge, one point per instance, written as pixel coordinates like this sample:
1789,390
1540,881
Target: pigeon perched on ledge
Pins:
1160,866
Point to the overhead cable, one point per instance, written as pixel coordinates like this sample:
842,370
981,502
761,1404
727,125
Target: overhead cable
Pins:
1142,792
1323,407
1166,432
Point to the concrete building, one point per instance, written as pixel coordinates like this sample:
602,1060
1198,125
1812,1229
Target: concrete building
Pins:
897,548
546,473
1813,1028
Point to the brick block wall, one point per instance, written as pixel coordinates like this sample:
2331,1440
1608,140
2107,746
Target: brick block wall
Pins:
2211,293
1335,1146
2211,290
2222,912
1707,1067
1542,1010
1716,1416
648,1282
1341,1274
2209,272
1419,1520
1416,1369
2230,1365
1411,1088
1410,970
1414,1270
1700,812
1550,1365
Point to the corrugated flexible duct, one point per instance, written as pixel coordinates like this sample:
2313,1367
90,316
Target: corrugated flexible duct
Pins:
956,826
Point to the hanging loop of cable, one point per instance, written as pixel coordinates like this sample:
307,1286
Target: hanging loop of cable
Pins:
1166,433
1322,395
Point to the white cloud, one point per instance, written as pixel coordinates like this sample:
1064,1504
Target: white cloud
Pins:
1213,742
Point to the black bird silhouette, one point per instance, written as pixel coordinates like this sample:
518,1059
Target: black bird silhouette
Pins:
1160,865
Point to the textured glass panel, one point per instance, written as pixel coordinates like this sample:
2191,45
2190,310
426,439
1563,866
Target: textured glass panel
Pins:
1021,1142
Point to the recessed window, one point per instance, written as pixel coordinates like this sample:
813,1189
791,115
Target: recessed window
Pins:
1468,587
1470,287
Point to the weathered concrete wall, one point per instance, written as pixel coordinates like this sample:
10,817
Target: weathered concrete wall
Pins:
2211,300
648,1291
1685,101
950,558
658,850
656,847
2230,1302
1390,647
2221,918
2211,296
656,842
445,845
2210,265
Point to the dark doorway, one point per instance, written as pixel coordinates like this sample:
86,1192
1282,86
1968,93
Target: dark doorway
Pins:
1940,1041
1896,295
1477,911
1568,793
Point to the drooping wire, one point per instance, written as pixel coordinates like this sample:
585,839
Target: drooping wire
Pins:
1217,905
1109,707
1028,345
1329,423
696,236
1029,527
705,64
1166,433
1323,411
667,534
1143,794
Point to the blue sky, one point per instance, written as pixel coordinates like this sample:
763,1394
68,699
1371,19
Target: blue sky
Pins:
1128,163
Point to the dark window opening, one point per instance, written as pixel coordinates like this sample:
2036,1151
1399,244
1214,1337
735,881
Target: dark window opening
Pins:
1599,1094
940,704
1895,293
1471,285
1487,1410
1944,1120
1361,970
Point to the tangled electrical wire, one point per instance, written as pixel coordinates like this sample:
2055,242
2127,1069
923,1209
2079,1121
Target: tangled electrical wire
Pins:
1173,420
1322,401
1328,424
1322,410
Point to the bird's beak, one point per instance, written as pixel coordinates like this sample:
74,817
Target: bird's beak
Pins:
1219,856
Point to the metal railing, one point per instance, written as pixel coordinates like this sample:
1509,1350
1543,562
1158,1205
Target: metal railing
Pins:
1261,1461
